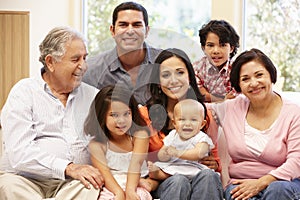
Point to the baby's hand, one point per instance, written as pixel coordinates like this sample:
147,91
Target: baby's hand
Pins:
163,154
172,151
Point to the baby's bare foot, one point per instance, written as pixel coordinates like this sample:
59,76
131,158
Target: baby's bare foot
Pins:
146,183
153,170
152,167
149,184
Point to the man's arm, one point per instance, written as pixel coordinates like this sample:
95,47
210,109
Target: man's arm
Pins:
22,137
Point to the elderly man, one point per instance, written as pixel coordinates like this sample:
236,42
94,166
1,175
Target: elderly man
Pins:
45,150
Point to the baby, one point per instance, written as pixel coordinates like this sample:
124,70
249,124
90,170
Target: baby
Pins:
185,145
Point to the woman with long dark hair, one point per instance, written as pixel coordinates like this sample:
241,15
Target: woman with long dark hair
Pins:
172,80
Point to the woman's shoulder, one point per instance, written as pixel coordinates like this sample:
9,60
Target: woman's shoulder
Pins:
240,102
240,99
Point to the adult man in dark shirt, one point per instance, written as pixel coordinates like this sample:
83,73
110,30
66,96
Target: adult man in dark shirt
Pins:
129,63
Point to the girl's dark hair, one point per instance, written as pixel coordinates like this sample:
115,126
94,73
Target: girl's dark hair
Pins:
95,124
224,31
247,56
158,97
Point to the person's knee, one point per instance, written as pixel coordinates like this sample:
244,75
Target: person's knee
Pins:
12,187
9,183
208,176
209,173
91,193
76,190
5,190
277,186
174,187
280,189
227,191
178,180
8,192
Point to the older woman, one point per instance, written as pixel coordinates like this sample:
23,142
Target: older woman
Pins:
173,79
262,131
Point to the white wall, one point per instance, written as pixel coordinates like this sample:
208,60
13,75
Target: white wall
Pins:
231,11
45,15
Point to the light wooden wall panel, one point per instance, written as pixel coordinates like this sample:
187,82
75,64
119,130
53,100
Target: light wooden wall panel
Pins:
14,50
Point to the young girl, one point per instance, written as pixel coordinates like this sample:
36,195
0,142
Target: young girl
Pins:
120,145
219,41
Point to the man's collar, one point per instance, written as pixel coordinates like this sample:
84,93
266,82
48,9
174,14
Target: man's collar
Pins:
115,63
47,88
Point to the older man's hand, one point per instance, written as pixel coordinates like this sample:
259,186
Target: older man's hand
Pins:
86,174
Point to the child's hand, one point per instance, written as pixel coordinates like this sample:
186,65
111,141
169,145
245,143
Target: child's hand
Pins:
120,195
230,95
132,195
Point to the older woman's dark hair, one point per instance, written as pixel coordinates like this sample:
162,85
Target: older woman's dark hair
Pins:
248,56
158,97
129,6
95,124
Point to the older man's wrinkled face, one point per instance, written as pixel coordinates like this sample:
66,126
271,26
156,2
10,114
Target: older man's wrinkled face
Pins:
68,72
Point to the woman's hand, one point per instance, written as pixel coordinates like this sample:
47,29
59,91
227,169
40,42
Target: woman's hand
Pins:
248,188
210,162
245,189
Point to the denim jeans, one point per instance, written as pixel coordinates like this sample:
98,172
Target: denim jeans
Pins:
205,185
277,190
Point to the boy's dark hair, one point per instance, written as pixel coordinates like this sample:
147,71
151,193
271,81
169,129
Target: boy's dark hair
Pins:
224,31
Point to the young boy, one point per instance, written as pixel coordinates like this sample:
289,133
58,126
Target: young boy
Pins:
219,41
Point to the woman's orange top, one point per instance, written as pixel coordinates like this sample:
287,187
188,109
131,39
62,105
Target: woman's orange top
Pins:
156,137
